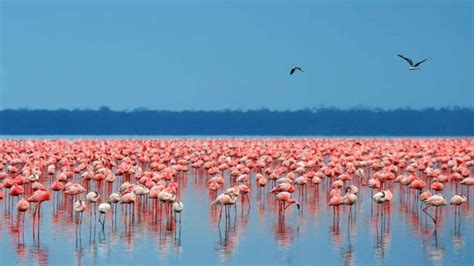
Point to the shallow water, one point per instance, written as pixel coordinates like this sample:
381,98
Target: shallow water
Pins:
75,137
403,235
397,234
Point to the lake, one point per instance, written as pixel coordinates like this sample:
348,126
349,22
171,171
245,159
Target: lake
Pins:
253,234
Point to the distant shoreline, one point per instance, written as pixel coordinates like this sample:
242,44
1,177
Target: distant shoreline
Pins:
324,122
204,137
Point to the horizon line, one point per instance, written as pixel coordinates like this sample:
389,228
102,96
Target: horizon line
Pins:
312,109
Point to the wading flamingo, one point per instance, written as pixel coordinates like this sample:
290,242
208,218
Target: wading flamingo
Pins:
79,207
225,200
103,209
434,201
177,209
285,197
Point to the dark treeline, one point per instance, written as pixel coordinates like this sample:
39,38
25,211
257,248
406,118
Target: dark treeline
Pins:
324,121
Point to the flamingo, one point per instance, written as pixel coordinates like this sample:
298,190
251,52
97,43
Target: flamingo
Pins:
178,208
335,201
225,200
382,196
434,201
285,197
129,198
114,198
22,206
39,197
349,199
244,190
79,207
213,186
437,186
316,180
261,181
283,187
425,195
103,209
93,197
468,181
457,200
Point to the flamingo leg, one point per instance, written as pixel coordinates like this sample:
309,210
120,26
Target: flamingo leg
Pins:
248,199
100,216
34,212
220,215
425,211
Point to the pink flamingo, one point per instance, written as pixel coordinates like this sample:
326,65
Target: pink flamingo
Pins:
285,197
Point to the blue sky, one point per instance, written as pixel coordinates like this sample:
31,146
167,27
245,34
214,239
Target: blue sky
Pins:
208,55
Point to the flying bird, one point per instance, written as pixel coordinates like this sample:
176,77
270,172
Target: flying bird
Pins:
293,69
412,66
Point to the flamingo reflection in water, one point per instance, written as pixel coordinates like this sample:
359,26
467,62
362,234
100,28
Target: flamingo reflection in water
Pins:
227,240
433,248
284,233
348,250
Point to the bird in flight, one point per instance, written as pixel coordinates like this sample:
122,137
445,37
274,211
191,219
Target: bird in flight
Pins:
293,69
413,66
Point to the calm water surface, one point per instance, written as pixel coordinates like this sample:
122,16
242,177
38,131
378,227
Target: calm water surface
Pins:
255,234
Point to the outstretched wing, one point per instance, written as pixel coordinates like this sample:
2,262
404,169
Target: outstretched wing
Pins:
407,59
419,63
292,71
299,68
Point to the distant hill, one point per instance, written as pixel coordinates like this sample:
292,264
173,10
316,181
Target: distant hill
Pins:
324,121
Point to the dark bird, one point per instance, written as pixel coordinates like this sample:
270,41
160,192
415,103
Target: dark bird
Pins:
293,69
412,66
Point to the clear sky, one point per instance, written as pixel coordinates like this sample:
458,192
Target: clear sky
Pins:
198,55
